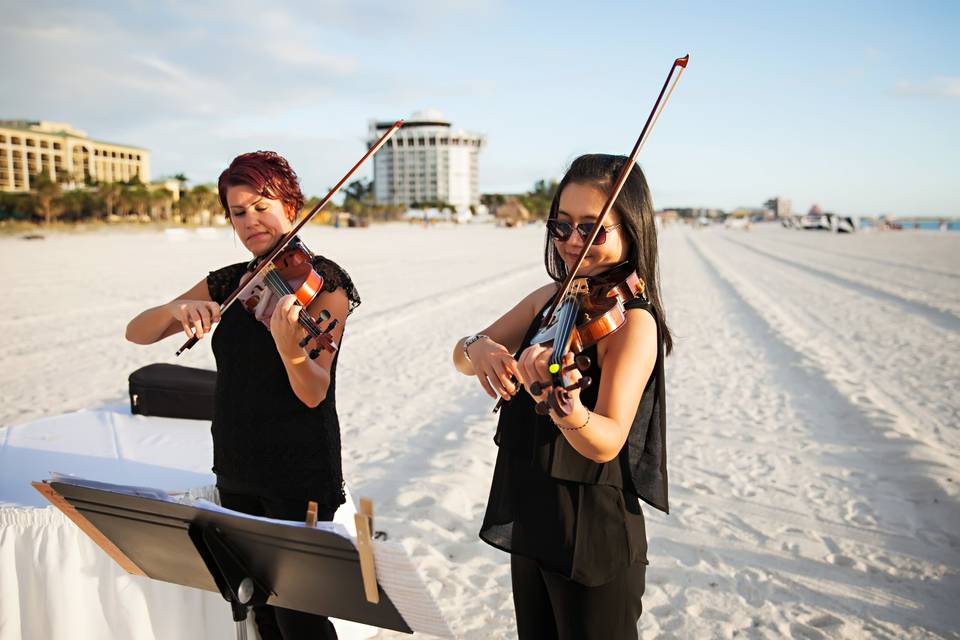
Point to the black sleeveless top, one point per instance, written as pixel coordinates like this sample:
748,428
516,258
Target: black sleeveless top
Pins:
577,517
266,442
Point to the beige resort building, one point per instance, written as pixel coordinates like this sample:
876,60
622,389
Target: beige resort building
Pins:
68,155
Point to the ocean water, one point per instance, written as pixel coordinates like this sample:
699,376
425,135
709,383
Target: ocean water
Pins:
951,225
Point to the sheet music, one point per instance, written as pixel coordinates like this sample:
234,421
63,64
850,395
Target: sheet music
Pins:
330,527
130,490
399,578
187,500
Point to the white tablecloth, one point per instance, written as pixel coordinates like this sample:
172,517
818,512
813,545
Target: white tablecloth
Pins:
56,583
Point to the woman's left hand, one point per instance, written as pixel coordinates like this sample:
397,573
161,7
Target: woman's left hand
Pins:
285,327
534,365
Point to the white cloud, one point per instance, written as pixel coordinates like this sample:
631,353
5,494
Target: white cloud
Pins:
940,87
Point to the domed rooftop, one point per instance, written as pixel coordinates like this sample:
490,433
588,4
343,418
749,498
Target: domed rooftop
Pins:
428,115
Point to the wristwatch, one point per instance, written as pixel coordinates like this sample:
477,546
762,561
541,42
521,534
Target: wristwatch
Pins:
469,340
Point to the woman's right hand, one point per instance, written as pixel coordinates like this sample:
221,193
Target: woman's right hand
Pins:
495,368
196,316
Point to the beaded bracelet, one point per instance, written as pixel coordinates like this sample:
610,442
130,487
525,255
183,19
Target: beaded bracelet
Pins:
560,426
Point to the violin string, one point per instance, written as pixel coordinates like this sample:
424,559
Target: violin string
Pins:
565,318
280,287
305,320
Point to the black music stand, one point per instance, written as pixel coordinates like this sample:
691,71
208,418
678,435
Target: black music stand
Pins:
249,560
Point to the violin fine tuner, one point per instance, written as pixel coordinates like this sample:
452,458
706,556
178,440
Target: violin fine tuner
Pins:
581,362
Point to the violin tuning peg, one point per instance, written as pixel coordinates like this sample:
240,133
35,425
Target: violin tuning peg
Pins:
543,408
536,388
582,383
332,325
314,353
582,362
323,315
305,342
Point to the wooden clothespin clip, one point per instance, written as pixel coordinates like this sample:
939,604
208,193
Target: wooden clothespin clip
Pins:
366,508
311,514
368,571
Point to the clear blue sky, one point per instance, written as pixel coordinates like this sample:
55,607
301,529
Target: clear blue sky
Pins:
855,106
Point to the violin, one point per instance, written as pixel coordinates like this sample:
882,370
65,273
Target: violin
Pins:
578,316
593,309
291,272
288,269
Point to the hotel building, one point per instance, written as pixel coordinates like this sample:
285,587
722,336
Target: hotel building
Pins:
426,161
66,154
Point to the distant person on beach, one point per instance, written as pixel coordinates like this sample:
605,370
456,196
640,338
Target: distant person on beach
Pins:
566,490
276,436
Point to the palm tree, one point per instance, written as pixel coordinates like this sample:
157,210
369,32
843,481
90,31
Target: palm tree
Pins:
48,193
161,204
134,199
201,198
110,193
358,197
183,180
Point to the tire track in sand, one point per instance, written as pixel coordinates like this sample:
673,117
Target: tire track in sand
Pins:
782,338
851,555
939,317
862,258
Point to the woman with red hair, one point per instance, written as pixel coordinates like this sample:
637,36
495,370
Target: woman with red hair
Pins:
276,435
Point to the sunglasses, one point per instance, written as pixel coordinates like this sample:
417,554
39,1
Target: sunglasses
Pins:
563,230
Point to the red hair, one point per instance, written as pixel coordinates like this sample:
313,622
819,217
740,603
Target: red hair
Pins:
267,173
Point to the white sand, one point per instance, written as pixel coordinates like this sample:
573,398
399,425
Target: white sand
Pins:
813,431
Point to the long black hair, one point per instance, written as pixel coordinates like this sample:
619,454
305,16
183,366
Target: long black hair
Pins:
635,210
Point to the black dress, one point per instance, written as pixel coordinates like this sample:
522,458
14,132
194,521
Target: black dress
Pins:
573,516
271,452
266,442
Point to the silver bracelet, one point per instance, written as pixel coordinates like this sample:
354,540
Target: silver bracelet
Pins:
469,340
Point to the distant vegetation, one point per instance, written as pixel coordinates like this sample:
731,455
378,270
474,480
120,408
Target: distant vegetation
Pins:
131,201
134,201
111,201
537,201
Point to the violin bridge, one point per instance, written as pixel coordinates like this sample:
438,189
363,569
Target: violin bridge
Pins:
580,286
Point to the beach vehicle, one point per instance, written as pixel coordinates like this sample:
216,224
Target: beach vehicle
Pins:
843,224
737,223
815,222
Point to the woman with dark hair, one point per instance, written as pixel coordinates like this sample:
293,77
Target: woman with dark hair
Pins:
566,490
276,436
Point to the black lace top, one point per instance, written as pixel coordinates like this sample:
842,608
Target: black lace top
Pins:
577,517
266,442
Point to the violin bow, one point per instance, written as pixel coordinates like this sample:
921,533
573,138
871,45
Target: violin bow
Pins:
293,232
679,63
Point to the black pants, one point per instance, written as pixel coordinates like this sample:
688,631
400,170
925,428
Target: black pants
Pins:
277,623
549,605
